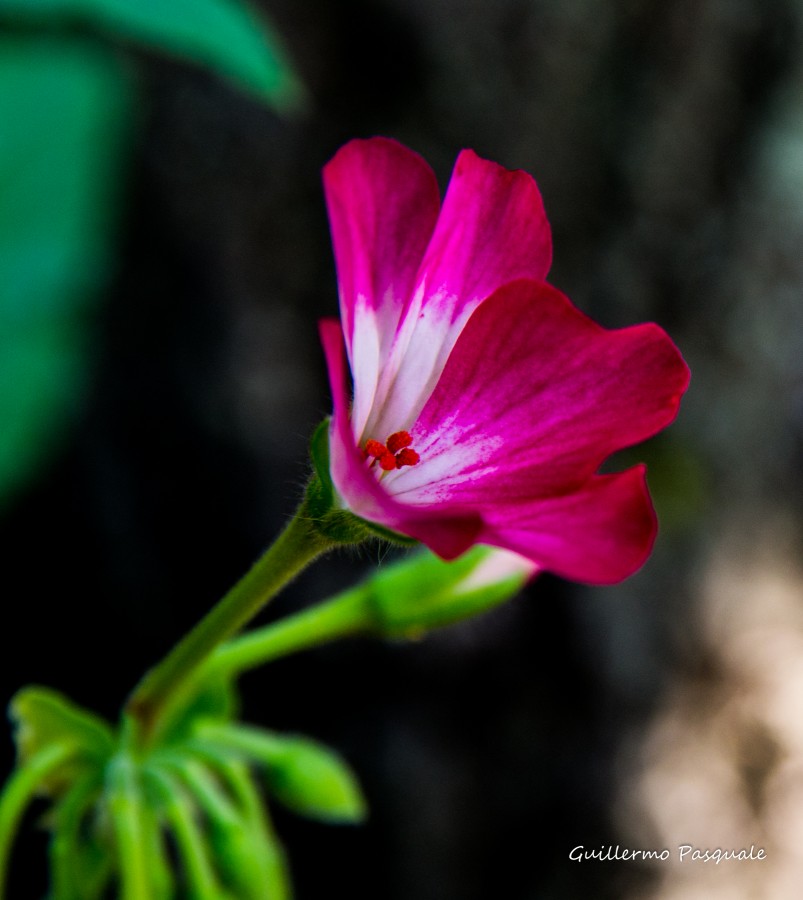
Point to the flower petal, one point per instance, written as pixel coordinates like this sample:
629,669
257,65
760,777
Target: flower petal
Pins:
598,534
383,203
492,229
453,532
533,399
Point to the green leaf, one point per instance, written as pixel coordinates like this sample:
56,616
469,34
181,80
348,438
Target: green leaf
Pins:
305,776
45,718
228,36
65,109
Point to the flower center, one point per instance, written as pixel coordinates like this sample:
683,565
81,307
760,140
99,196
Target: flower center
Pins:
395,453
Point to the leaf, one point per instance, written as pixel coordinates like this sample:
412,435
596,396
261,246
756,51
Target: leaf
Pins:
304,775
227,36
65,110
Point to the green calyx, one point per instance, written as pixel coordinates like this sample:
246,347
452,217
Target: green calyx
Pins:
324,508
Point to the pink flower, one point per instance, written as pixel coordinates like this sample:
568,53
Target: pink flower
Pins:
484,402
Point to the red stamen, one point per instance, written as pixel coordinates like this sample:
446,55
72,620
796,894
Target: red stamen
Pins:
396,454
387,461
398,441
406,457
375,449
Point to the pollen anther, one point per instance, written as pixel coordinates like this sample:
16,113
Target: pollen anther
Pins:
406,457
393,455
375,449
399,440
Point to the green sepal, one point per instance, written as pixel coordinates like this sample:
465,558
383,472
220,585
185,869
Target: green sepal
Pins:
321,491
330,518
303,775
386,534
43,717
424,592
321,501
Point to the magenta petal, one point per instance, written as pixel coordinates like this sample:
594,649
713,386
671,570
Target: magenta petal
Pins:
598,534
534,397
448,533
492,229
383,203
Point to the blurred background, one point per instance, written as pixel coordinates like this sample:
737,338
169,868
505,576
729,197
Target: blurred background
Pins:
164,259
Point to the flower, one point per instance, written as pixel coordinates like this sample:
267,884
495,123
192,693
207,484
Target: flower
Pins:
484,402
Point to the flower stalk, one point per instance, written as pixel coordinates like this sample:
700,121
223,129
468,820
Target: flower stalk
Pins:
296,547
343,615
19,791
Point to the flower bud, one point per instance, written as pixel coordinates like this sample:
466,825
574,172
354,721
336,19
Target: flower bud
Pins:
424,592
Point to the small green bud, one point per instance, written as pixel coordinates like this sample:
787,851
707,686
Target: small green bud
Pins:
303,774
424,592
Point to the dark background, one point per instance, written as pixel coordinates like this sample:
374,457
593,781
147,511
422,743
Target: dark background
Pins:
667,140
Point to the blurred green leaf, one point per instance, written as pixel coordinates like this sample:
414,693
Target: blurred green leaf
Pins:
65,109
228,36
304,775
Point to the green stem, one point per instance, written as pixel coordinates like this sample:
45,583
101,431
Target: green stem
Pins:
126,806
344,614
67,853
191,843
18,793
294,549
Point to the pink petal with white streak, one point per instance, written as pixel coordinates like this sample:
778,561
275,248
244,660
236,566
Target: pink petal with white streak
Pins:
492,229
454,532
598,534
533,399
383,203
